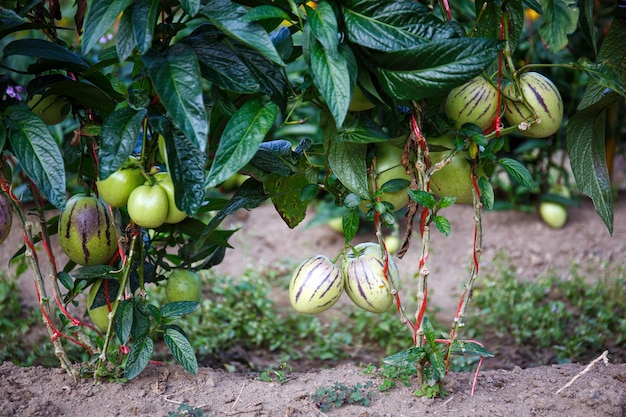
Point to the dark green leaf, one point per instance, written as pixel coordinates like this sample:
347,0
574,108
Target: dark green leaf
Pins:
446,202
324,26
95,271
437,368
423,198
560,18
487,196
141,320
124,321
106,294
125,39
86,94
40,49
309,192
191,6
350,223
489,24
100,17
144,19
604,74
66,280
181,349
230,18
276,157
139,356
179,308
406,357
587,24
270,76
347,160
120,132
241,138
429,333
285,194
442,224
176,78
361,132
266,12
394,185
39,155
469,348
518,172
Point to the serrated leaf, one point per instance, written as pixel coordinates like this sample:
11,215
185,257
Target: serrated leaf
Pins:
176,78
324,26
39,155
181,349
442,224
40,49
445,202
139,356
285,194
423,198
408,357
241,138
119,136
100,17
487,196
469,348
350,223
560,18
518,172
144,20
347,160
230,18
124,321
179,308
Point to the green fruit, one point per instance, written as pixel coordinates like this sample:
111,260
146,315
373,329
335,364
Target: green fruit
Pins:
366,283
174,214
359,102
183,285
6,218
99,315
553,214
473,102
336,223
316,285
148,206
116,189
544,113
52,109
86,232
455,178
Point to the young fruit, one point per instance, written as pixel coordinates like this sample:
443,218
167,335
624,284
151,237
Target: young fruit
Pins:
183,285
553,214
455,178
366,283
174,214
6,218
116,189
544,113
316,285
148,206
99,315
86,232
473,102
51,109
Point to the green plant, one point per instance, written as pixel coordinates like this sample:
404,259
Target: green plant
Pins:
186,410
276,375
339,395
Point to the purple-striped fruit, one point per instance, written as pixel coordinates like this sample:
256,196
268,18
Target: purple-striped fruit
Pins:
543,115
367,285
6,218
316,285
86,232
473,102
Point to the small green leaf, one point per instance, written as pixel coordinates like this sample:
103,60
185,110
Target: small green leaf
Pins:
324,26
487,196
423,198
445,202
285,194
120,132
442,224
139,356
100,17
350,223
429,333
179,308
241,138
347,160
181,349
469,348
309,192
124,321
394,185
408,357
518,172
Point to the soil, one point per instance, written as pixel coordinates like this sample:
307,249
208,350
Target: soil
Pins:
596,389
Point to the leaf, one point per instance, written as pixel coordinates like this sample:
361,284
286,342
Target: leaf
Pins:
603,74
141,320
490,17
518,172
434,68
241,138
587,25
181,349
285,194
408,357
119,136
429,333
39,155
560,18
350,223
139,356
125,39
40,49
487,196
437,368
361,132
445,202
176,78
469,348
179,308
144,20
395,185
230,18
347,161
324,26
124,321
86,94
276,157
442,224
423,198
271,77
191,6
100,17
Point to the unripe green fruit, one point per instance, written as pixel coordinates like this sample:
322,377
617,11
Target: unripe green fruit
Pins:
542,97
366,283
148,206
473,102
51,109
455,178
86,232
316,285
553,214
6,218
99,315
183,285
174,214
116,189
359,102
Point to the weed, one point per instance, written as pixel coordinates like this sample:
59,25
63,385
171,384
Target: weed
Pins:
339,395
276,375
185,410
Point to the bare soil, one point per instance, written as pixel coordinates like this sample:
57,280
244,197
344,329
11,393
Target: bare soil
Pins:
265,241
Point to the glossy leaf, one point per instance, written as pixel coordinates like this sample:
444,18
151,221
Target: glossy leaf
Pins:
230,18
489,24
347,161
285,194
423,198
324,26
178,343
39,155
125,40
41,49
241,138
408,357
361,132
144,19
100,18
139,356
276,157
176,78
469,348
86,94
141,320
560,18
118,138
270,76
124,321
179,308
442,224
191,6
518,172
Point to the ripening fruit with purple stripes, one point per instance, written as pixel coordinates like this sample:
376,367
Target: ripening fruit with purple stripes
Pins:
6,218
366,283
542,114
86,232
473,102
316,285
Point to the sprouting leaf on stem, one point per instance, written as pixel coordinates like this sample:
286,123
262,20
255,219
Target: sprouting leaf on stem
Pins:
423,198
442,224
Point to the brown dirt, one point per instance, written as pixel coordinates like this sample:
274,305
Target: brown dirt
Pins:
265,241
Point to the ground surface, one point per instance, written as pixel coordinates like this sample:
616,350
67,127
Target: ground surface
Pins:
264,241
